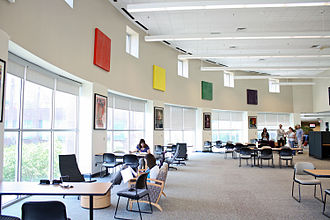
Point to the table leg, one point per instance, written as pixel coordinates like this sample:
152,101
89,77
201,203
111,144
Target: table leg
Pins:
91,207
0,204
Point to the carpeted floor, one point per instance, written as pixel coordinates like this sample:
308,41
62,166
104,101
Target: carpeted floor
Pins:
211,187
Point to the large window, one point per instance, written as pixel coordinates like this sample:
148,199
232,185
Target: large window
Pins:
228,79
271,121
229,126
274,85
132,42
126,123
179,125
183,68
40,121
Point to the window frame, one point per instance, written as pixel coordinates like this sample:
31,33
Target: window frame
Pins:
228,79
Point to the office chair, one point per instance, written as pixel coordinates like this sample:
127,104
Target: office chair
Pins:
6,217
69,169
50,210
131,160
246,154
266,153
285,154
109,161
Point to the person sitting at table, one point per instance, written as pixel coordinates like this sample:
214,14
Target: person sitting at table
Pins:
153,168
142,147
265,135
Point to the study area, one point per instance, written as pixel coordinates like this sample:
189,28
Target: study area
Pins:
169,109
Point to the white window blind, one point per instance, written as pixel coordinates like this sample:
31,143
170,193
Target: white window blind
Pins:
15,69
68,86
121,103
176,118
189,119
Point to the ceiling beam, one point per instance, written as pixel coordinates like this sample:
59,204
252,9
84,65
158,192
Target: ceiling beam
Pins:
226,56
240,36
279,77
304,68
297,83
217,5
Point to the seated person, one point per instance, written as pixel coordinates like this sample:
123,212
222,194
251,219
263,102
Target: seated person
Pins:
152,170
142,147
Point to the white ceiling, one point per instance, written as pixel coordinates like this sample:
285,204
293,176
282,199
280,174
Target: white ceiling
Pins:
262,21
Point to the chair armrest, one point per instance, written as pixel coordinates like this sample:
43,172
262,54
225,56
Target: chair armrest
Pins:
156,181
90,181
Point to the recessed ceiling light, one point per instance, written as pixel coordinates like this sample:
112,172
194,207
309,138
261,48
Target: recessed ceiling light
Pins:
261,59
316,46
215,33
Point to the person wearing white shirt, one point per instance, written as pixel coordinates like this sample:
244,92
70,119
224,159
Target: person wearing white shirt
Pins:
280,136
299,135
153,168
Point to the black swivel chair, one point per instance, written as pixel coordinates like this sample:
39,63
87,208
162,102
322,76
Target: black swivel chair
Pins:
50,210
207,146
182,154
246,154
109,161
285,154
237,149
266,153
229,148
69,169
138,192
131,160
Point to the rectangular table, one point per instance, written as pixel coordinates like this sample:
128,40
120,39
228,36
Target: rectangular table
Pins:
318,173
33,188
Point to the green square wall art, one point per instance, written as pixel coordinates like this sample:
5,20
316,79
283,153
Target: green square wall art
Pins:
207,90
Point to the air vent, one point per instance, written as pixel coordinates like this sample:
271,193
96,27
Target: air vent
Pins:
190,53
166,42
128,14
232,47
261,59
178,48
144,27
316,46
240,29
211,61
215,33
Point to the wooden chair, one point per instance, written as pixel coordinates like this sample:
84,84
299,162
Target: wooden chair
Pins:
155,187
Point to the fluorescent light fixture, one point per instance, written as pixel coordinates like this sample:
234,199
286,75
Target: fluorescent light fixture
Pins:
197,57
265,68
69,2
297,83
213,5
240,36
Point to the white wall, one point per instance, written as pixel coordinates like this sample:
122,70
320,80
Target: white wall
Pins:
321,94
4,38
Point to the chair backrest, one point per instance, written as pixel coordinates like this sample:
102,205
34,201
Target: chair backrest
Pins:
265,151
69,168
130,159
218,143
173,148
109,158
162,174
285,151
6,217
50,210
207,143
245,151
158,148
251,145
141,182
238,146
300,166
182,150
229,146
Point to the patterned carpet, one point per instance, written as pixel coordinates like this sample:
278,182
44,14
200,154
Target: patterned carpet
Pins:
211,187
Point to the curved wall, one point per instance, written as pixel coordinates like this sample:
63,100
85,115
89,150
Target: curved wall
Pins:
65,37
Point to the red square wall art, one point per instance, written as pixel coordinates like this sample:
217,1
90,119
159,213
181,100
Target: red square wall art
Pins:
102,50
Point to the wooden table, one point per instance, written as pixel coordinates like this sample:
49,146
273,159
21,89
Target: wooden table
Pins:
32,188
318,173
121,155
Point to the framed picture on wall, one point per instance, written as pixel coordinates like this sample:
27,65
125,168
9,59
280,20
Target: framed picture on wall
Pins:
158,118
2,86
252,122
100,112
207,120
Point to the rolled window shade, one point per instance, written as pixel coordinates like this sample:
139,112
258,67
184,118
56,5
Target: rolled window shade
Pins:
15,69
40,77
176,118
224,116
236,116
167,117
189,119
68,86
121,103
138,105
110,100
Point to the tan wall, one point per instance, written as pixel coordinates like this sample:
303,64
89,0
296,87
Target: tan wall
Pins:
65,38
302,98
321,94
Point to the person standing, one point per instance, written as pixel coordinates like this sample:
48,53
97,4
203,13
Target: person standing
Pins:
299,135
280,136
292,139
265,135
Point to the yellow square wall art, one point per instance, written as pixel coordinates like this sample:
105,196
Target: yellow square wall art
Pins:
159,81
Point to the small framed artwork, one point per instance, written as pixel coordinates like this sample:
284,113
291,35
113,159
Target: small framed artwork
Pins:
100,112
207,120
2,86
252,122
158,118
252,97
